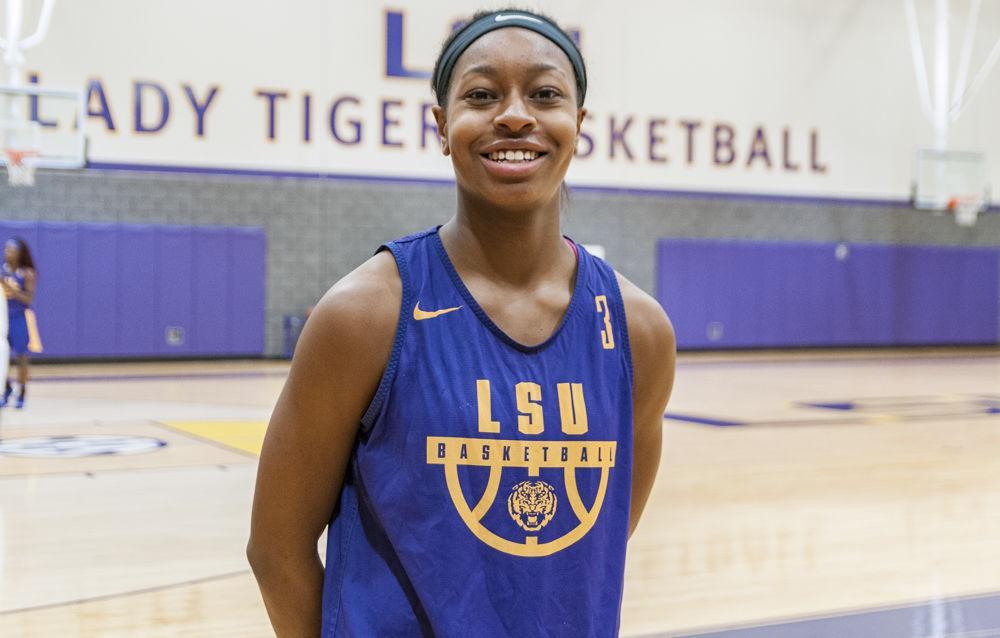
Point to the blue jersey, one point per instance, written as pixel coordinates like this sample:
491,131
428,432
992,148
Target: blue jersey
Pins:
488,494
15,279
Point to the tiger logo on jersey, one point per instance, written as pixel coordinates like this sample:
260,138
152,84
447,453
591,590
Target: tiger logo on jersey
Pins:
532,504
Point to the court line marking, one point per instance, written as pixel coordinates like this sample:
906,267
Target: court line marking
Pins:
134,592
212,442
874,361
94,473
686,359
78,378
703,420
847,612
871,419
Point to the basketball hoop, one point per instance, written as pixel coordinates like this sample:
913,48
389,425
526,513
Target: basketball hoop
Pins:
965,209
20,166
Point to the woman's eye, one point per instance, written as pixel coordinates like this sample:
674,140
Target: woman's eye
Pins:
547,94
478,95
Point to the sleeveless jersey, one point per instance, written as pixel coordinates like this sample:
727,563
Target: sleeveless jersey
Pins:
14,277
489,490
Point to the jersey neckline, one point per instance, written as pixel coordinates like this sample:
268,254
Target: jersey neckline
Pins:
485,318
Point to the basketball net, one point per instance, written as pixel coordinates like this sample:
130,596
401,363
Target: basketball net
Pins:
20,167
965,209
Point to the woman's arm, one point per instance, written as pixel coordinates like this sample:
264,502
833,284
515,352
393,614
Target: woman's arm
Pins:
654,353
338,362
25,296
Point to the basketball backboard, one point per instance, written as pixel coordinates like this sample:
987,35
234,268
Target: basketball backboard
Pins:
46,123
944,177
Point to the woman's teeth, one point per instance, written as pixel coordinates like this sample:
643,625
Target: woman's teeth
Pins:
513,156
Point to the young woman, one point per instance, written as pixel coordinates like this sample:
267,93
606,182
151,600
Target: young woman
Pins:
476,411
18,282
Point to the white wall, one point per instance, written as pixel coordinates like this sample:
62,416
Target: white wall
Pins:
837,76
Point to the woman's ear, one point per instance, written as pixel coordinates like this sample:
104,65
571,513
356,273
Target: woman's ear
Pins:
442,126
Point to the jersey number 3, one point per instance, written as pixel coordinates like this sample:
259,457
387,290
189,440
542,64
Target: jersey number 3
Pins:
607,335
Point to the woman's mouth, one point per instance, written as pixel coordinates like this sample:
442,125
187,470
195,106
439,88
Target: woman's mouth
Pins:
513,157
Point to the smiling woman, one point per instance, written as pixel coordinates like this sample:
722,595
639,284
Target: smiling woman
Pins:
476,411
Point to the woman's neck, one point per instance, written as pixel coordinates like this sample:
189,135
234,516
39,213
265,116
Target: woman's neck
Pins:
518,248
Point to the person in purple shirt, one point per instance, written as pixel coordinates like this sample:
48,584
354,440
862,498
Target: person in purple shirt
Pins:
475,413
17,280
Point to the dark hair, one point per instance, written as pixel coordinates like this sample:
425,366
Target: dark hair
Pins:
442,97
24,259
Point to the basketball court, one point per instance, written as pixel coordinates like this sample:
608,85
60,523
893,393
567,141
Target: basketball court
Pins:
808,190
838,486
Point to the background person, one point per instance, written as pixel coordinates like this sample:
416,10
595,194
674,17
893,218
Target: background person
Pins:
18,280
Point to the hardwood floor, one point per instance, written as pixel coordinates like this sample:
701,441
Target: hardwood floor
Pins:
792,485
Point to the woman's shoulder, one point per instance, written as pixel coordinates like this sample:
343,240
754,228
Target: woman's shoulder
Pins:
365,301
348,338
651,335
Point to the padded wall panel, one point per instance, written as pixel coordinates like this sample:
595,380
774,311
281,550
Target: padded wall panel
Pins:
733,294
57,297
211,290
175,285
112,290
247,272
97,318
137,298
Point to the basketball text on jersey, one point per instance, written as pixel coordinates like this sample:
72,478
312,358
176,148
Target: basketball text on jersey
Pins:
531,504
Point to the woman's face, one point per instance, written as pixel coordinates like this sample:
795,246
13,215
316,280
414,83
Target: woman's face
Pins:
10,252
511,123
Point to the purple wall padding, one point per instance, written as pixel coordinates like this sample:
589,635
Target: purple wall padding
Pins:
59,294
97,317
211,290
246,289
736,294
137,311
117,290
175,289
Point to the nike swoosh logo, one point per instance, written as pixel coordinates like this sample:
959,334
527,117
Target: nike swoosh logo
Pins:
420,315
504,18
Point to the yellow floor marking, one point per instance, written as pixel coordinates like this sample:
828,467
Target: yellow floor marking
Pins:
246,436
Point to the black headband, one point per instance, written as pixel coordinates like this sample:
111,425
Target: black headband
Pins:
499,20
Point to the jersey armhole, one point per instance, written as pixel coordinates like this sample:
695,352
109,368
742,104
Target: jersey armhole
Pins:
378,401
623,331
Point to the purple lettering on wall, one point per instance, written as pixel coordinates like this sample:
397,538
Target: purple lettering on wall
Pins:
586,139
272,98
724,154
307,117
394,66
389,122
758,148
200,108
353,124
618,137
817,166
691,126
95,90
427,125
786,152
35,115
655,139
140,125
